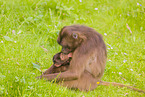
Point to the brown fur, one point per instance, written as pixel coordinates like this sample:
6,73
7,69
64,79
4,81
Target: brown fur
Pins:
64,60
88,61
57,59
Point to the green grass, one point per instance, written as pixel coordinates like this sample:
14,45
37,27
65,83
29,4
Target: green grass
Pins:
25,25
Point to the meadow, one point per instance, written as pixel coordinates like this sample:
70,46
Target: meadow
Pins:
28,34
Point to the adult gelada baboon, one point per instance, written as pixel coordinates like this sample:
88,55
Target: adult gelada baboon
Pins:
88,61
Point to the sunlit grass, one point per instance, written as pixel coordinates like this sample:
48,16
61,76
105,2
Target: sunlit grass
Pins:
27,25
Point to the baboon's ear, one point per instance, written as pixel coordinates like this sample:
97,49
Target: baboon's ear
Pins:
61,31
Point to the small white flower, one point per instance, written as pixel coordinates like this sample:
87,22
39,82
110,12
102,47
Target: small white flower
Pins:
33,73
108,48
109,60
125,53
139,74
120,73
96,8
15,41
105,34
111,47
137,3
126,94
13,31
131,62
2,42
116,53
131,69
124,60
80,0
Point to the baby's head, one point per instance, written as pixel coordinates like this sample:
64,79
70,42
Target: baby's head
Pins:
60,59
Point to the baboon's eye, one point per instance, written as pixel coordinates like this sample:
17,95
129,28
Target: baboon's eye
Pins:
75,36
